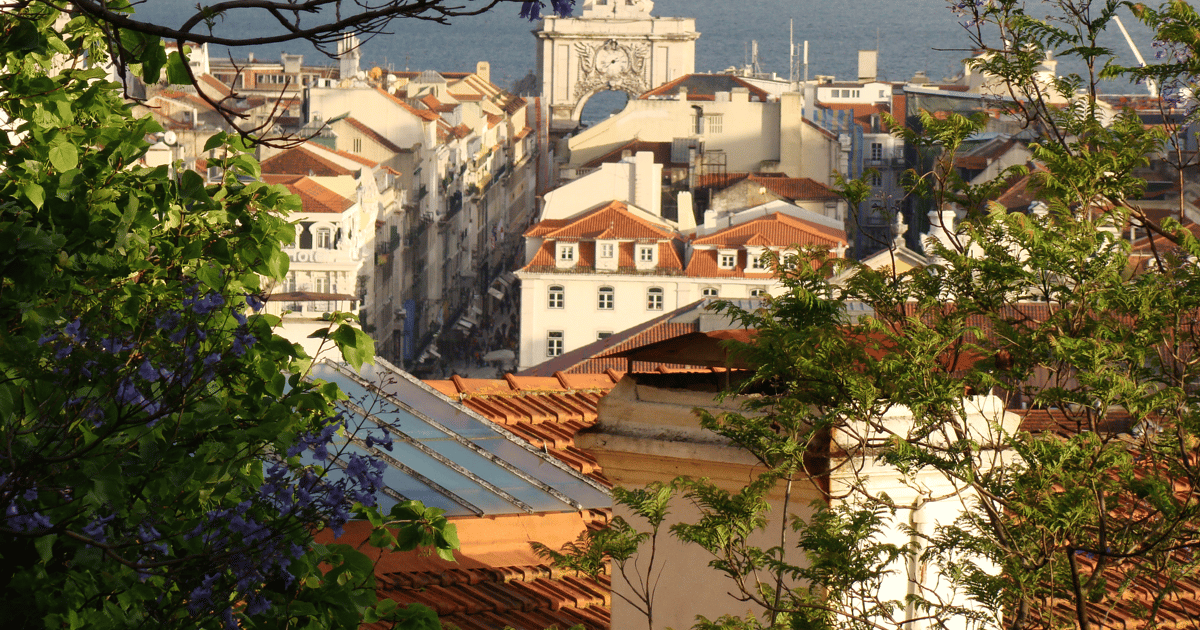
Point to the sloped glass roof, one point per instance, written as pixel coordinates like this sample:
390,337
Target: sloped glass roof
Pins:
446,455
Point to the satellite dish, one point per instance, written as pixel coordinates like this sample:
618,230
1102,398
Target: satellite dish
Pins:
170,138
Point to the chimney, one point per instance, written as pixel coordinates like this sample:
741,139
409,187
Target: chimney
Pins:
867,60
483,70
645,189
686,218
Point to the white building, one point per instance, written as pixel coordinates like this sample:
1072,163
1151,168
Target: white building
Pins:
727,124
600,265
463,150
595,274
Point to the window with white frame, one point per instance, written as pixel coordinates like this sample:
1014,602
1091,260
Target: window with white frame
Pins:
726,261
566,253
654,299
324,238
556,296
646,253
712,123
605,299
877,151
757,293
291,282
554,343
709,292
321,283
876,179
608,250
757,262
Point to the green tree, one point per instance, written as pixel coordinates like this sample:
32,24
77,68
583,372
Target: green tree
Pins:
1092,515
161,456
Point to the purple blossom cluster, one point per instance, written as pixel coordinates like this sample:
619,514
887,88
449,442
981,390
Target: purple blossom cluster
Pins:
532,9
130,382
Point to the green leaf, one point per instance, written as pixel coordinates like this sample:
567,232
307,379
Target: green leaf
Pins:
355,345
34,193
277,264
45,547
63,155
177,73
214,141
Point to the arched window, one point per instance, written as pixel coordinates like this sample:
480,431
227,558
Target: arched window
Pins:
758,293
556,296
654,299
708,292
605,299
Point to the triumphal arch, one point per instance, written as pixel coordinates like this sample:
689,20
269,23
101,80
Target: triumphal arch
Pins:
612,45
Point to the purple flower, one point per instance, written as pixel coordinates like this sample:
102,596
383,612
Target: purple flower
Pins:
168,321
75,331
147,372
253,302
127,394
95,529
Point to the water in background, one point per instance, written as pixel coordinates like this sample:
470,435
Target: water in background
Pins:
911,35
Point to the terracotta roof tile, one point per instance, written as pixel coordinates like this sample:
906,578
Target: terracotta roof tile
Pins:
776,230
615,220
373,135
791,188
302,160
704,265
546,411
313,196
423,114
592,359
497,581
545,226
704,87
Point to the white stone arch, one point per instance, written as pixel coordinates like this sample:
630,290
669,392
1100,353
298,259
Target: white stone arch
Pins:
577,113
616,46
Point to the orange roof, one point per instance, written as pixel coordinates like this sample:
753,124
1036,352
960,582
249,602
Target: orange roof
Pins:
547,412
214,84
775,230
704,87
372,134
791,188
594,358
313,196
497,580
424,114
301,160
704,264
614,220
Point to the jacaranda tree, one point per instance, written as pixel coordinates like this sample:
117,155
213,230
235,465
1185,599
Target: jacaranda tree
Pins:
158,443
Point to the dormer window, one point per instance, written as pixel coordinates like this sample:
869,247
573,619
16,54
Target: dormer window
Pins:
646,253
608,250
757,262
568,253
727,260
